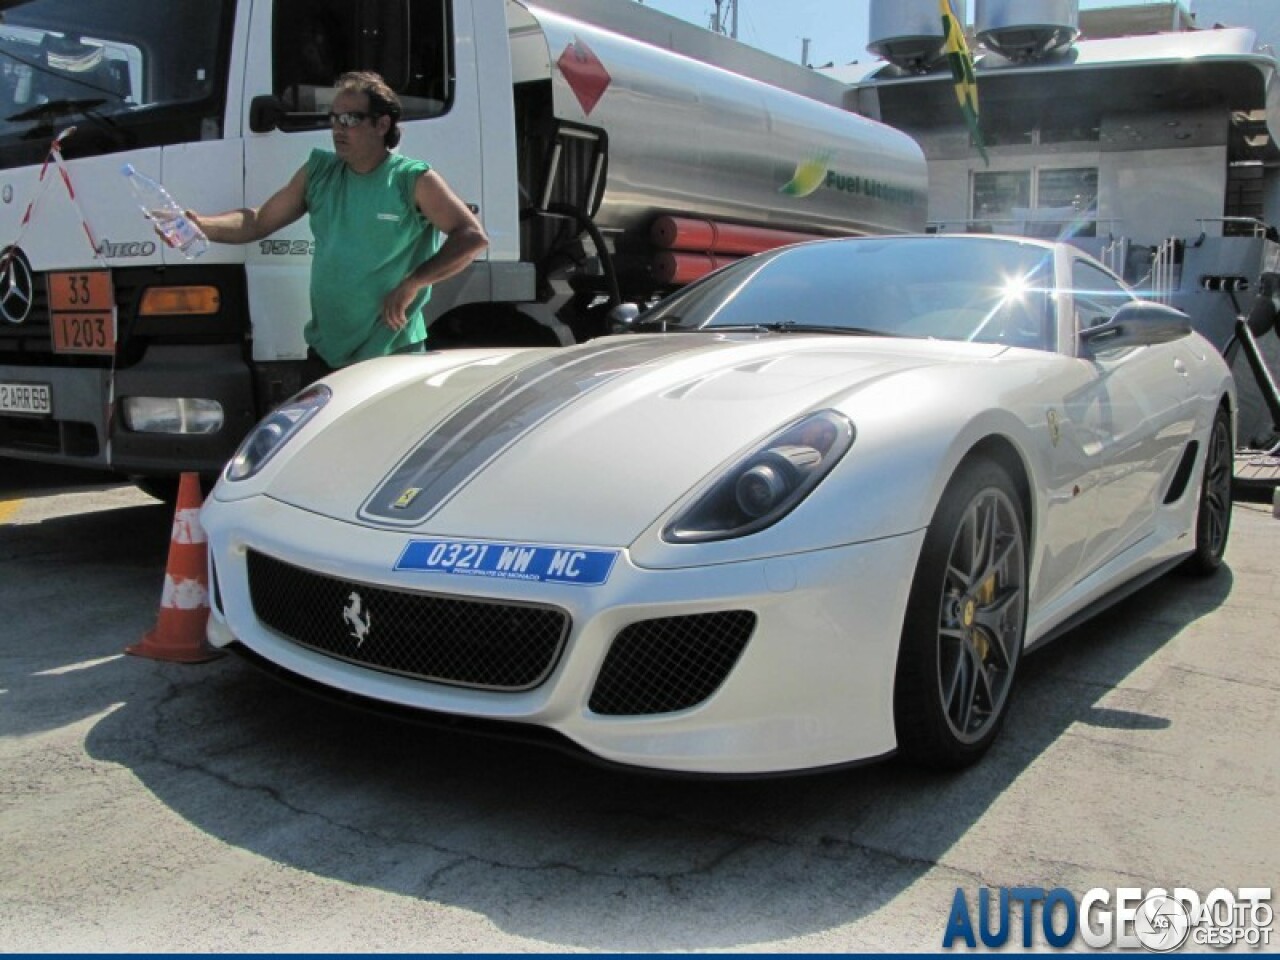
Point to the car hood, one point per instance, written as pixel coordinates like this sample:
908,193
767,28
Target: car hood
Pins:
585,445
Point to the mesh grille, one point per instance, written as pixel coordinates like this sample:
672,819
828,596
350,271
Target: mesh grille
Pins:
671,663
464,642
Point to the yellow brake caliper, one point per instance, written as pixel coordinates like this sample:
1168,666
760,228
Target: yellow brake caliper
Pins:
985,595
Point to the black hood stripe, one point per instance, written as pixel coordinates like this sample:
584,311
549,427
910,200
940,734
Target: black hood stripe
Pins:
482,428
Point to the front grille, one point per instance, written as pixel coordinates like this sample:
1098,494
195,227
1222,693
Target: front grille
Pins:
452,640
43,434
32,335
30,343
671,663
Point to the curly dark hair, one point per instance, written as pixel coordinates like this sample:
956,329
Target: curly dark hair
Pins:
383,101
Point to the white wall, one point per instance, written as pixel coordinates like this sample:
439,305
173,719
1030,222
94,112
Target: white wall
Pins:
1160,193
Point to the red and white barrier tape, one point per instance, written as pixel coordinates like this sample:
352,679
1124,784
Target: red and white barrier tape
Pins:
54,158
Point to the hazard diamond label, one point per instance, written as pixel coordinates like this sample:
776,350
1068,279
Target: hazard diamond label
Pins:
586,75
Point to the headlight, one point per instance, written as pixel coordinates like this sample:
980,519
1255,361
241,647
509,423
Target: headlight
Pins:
274,432
183,415
766,485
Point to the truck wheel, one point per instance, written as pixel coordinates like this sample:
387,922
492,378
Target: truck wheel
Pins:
966,622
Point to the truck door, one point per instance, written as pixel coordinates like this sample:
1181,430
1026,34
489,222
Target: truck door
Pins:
297,49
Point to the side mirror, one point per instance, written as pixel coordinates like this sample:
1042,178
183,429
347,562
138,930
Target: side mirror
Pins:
265,113
622,317
1139,323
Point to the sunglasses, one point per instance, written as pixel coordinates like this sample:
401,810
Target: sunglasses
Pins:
349,119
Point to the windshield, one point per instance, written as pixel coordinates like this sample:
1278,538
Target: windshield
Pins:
947,288
125,73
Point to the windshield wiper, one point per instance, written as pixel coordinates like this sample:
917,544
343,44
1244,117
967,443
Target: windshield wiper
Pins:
46,113
60,108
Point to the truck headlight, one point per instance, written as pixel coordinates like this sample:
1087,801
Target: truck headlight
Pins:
180,415
275,431
767,484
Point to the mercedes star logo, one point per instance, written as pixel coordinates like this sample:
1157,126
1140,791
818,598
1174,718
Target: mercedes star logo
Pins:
16,286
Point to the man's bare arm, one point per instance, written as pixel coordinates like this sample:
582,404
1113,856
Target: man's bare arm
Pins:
247,224
464,240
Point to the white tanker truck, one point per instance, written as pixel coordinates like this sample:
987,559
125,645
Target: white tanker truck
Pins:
570,126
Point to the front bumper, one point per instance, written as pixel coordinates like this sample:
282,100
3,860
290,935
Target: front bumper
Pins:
86,427
813,686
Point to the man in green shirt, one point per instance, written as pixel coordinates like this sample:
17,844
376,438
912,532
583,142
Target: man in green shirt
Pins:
377,218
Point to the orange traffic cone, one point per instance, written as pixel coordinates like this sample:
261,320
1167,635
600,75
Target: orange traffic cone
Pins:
178,635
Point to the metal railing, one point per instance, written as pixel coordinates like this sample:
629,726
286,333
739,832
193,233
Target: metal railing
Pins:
1256,227
1164,271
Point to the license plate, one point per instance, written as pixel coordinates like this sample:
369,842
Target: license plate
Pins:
34,399
508,561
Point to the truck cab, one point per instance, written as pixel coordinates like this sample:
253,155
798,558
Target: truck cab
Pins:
568,126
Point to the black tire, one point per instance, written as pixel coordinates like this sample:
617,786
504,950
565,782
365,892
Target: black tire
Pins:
965,624
1213,514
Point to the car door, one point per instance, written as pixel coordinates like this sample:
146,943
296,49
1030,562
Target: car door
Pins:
1135,413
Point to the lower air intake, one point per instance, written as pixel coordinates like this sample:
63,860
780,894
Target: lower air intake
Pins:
671,663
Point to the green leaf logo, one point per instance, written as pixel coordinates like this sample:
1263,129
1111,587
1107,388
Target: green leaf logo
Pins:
809,176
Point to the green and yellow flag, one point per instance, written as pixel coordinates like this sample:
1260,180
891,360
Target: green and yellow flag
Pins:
962,71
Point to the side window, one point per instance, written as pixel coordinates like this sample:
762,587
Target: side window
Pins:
409,42
1097,295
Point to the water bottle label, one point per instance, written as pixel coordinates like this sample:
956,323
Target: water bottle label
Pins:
183,231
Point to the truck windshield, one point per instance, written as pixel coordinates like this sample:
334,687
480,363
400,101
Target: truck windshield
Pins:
124,73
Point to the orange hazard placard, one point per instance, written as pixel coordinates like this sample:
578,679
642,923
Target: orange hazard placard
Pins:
84,332
81,290
82,312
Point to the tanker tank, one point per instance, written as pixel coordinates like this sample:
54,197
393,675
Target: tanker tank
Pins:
683,136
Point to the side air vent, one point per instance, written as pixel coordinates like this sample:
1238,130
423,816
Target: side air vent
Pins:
670,663
1182,476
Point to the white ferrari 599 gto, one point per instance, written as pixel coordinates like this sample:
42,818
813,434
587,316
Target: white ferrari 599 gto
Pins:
812,509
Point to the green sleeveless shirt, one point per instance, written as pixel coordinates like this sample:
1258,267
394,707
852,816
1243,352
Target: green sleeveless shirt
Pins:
370,235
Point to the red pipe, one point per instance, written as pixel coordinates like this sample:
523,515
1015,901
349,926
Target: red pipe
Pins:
673,267
710,236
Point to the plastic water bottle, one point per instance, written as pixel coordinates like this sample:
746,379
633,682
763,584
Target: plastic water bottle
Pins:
161,209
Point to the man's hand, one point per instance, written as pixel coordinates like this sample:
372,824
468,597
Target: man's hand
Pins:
396,303
160,221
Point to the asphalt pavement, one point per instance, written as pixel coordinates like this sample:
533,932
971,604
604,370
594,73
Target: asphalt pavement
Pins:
149,806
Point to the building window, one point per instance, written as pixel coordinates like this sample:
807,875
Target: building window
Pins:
997,195
1041,203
